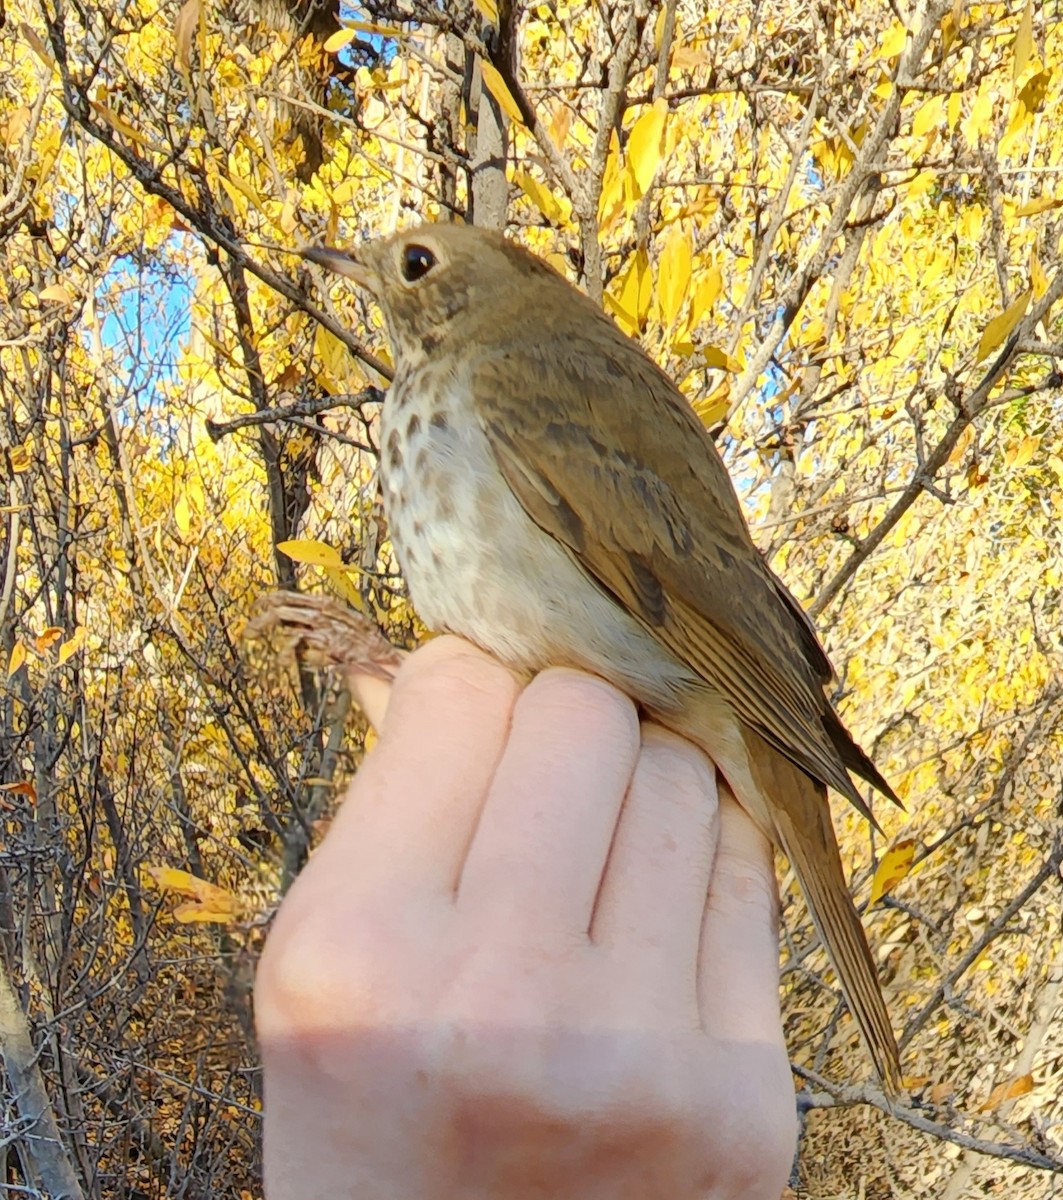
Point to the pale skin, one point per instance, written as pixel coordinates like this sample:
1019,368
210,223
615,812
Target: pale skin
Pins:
499,977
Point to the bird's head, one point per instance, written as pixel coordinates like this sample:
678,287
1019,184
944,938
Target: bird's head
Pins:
439,282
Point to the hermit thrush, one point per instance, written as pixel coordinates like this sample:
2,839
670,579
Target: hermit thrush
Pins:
552,497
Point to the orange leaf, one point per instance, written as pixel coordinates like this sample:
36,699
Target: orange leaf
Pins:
24,788
1010,1089
47,637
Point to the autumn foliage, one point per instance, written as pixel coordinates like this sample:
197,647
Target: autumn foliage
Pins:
837,226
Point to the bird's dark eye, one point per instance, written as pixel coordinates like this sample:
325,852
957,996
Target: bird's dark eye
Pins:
417,261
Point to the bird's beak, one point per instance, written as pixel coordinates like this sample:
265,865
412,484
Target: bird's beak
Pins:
343,262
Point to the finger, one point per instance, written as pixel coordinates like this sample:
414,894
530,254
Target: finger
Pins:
412,809
371,694
739,959
652,900
544,836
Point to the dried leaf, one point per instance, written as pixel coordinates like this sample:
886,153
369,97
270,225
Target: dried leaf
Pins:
1010,1089
22,788
56,292
184,31
46,638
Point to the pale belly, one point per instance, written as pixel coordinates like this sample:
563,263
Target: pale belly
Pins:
478,566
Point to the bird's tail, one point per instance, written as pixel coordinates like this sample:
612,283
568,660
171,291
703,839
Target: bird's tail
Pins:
792,809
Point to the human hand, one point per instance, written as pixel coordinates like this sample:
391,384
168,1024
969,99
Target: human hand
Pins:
499,978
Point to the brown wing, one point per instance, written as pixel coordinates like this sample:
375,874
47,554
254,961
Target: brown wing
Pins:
668,540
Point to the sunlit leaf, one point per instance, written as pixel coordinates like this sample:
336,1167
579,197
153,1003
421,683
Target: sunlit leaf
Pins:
208,902
998,329
892,868
645,142
540,195
1023,41
73,644
315,553
182,515
1038,278
496,85
673,274
341,38
1010,1089
57,293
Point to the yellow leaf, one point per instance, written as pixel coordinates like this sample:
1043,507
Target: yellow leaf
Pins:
709,286
117,123
895,865
1020,453
999,328
333,353
1040,205
188,18
340,578
236,186
18,657
644,144
979,123
56,292
1010,1089
630,303
1038,278
182,515
673,274
894,41
73,644
317,554
496,85
489,9
540,195
36,45
928,116
335,43
715,407
20,459
1023,41
47,637
208,901
713,356
609,202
